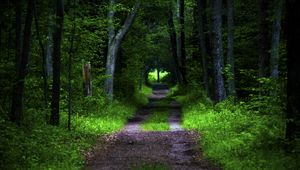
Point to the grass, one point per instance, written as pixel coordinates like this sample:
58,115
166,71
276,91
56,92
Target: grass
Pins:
158,121
236,137
51,147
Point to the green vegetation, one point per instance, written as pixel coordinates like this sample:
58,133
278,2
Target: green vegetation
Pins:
49,147
158,121
236,136
152,75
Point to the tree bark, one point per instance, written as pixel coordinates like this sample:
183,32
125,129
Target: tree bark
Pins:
18,11
43,55
182,41
113,48
200,8
87,81
57,38
217,50
293,81
173,42
263,39
230,45
274,60
18,89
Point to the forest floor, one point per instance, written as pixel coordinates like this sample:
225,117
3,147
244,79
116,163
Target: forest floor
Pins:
135,148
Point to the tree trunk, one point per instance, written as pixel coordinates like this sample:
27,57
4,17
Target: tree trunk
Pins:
18,89
293,63
158,76
173,42
217,50
200,8
230,57
113,48
274,61
71,55
87,81
263,39
18,11
43,55
182,41
57,38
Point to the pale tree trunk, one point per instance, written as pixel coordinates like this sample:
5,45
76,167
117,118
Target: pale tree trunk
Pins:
200,8
230,56
217,50
276,40
114,45
87,80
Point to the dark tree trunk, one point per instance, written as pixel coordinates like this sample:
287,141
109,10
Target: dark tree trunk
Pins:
230,56
173,41
274,60
43,55
57,37
71,55
263,39
182,41
201,7
18,89
293,63
18,11
217,50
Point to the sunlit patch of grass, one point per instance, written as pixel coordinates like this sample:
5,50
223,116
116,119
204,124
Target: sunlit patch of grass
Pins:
158,121
152,76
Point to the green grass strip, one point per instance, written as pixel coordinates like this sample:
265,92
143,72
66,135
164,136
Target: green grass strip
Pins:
158,121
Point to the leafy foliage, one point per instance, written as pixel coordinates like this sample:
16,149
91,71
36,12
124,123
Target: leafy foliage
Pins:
236,136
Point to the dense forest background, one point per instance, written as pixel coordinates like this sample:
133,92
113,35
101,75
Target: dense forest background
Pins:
74,70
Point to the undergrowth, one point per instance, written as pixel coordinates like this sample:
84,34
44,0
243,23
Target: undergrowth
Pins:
158,121
235,136
44,146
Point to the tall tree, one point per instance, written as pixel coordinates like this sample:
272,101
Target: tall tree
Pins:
114,44
182,40
18,89
43,55
217,49
57,38
18,11
263,39
200,7
293,62
276,40
230,57
173,42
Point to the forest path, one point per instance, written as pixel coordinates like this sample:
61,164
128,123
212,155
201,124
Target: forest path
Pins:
133,148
